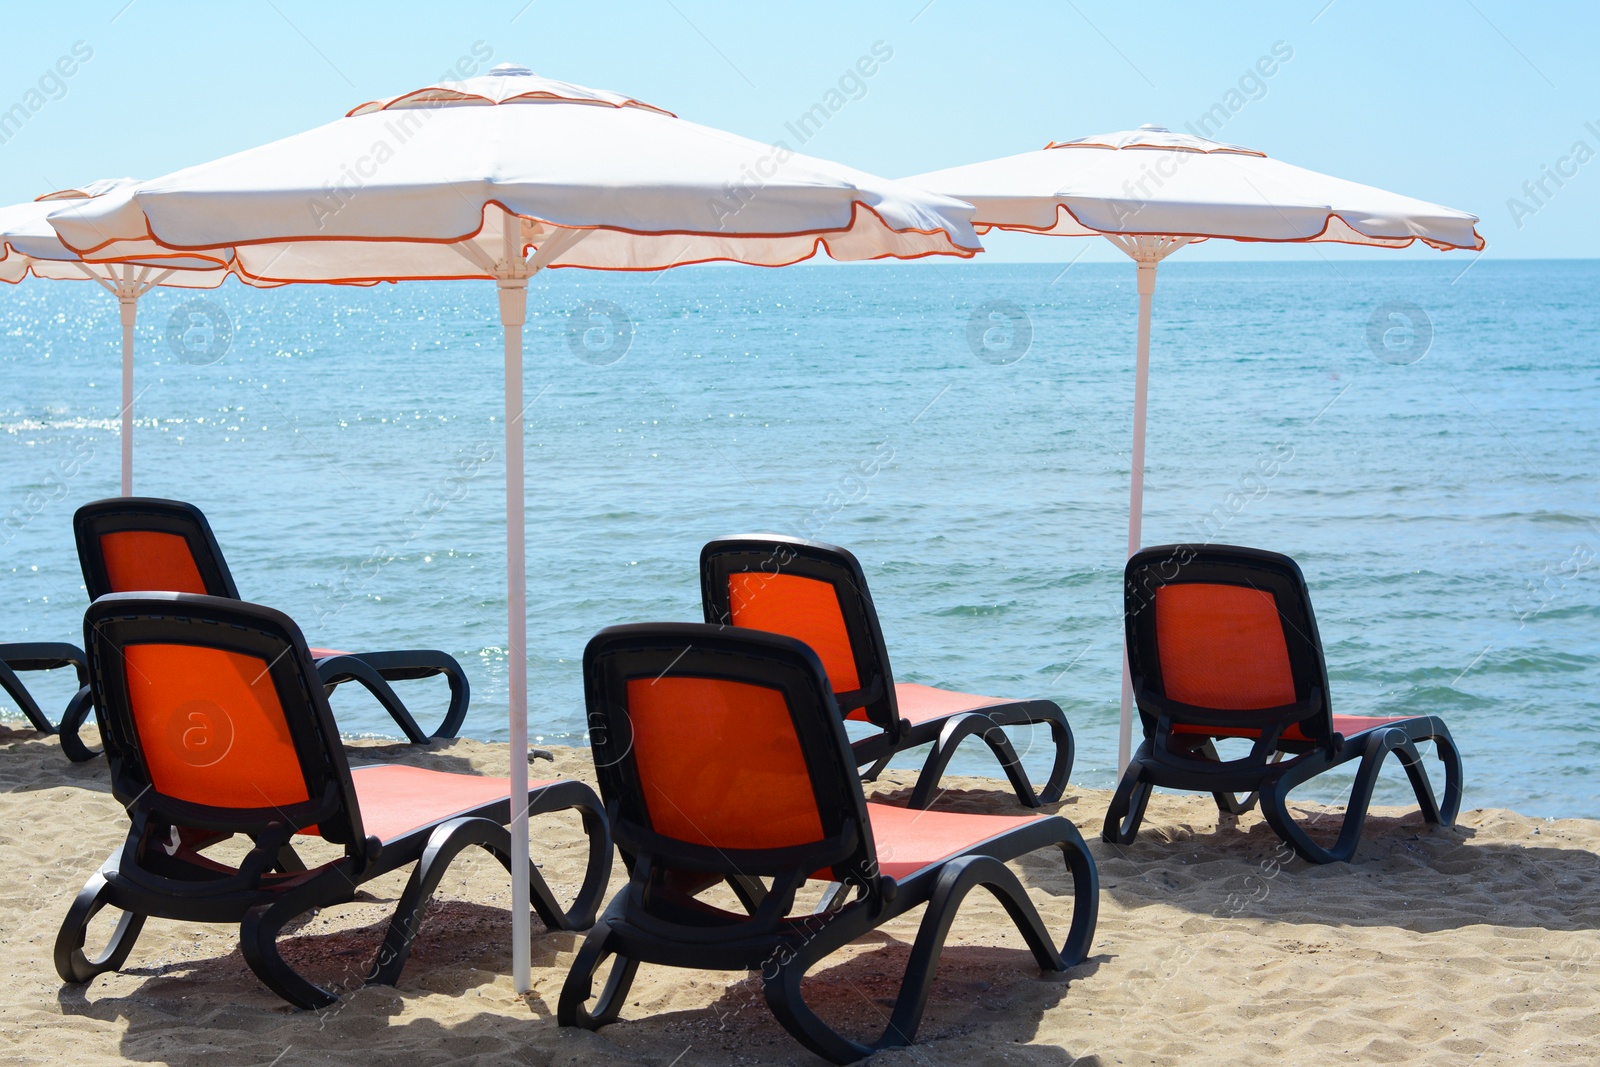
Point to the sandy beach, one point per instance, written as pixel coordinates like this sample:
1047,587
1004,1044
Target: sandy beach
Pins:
1473,944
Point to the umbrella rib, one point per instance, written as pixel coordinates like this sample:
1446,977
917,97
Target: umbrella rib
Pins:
548,250
470,251
1146,248
92,276
553,246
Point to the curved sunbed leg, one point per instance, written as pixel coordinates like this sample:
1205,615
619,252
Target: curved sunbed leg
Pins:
781,987
1275,795
575,796
72,964
424,663
1066,752
1445,747
1420,785
576,990
957,879
1228,803
782,978
336,670
1432,729
410,664
1085,899
72,721
1047,713
956,730
258,941
24,700
1127,806
460,693
555,797
447,841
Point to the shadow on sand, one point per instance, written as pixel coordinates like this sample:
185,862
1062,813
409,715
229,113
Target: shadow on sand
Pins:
195,1010
1406,874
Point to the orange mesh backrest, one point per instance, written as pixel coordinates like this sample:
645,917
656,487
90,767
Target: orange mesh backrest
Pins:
137,560
1222,647
211,728
805,609
720,763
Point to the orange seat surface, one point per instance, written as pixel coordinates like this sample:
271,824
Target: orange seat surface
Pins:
397,800
909,839
1348,725
920,703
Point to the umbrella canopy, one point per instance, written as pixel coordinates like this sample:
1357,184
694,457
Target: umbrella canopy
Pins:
438,183
464,180
1151,182
1150,192
29,245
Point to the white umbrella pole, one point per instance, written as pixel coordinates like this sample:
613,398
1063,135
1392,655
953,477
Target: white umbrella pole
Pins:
1141,391
513,313
127,288
129,306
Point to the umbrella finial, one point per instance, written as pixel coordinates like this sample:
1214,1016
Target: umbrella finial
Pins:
510,69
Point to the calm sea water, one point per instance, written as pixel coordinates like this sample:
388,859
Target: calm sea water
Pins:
347,448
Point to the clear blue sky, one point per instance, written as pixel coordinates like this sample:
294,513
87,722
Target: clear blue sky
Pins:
1452,101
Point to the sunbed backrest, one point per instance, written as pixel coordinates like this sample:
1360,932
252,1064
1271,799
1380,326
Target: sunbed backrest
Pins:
720,749
1224,636
720,765
130,544
806,609
214,715
210,726
1222,646
149,559
815,593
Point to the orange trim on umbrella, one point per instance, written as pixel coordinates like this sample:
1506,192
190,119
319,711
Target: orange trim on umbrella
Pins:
856,207
1403,242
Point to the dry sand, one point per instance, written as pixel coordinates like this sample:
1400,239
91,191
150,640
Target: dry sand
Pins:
1477,944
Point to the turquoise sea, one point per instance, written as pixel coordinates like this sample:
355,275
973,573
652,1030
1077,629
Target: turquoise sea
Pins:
964,428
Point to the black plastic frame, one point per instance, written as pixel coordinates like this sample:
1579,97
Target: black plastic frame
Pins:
372,670
23,656
776,554
1276,764
657,919
160,869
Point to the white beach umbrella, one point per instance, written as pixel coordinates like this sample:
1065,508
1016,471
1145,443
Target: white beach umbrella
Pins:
1150,192
462,180
29,245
